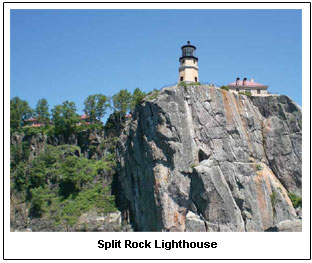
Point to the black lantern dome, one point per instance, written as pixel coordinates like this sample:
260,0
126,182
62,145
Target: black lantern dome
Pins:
188,51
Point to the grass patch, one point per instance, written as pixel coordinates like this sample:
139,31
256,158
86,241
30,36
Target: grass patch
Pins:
225,88
273,197
259,167
152,95
193,165
295,199
185,84
247,93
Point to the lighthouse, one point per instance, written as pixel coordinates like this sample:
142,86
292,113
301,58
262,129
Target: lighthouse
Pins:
188,70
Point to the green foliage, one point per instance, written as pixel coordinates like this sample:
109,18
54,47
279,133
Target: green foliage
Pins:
185,84
122,101
259,167
19,111
273,197
90,127
98,197
153,95
193,165
96,106
37,173
47,129
182,84
76,172
295,199
19,153
52,154
40,198
92,147
137,98
61,186
247,93
65,118
28,130
42,111
20,177
225,88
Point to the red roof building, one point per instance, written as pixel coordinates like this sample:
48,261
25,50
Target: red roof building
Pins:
32,122
84,120
84,117
256,89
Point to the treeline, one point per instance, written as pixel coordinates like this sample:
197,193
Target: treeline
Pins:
63,118
63,182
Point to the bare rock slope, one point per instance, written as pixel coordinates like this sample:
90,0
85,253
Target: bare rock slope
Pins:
198,158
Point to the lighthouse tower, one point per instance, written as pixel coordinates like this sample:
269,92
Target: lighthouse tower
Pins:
188,70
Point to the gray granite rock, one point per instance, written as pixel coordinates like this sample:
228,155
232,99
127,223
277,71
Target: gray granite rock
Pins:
194,223
229,159
287,226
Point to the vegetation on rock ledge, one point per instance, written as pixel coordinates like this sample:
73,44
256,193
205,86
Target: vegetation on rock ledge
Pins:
60,185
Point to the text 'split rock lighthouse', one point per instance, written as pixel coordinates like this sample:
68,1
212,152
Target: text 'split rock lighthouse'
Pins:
188,70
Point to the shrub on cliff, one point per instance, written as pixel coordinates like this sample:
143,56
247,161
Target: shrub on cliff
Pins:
247,93
19,153
185,84
225,88
61,186
137,98
295,199
152,95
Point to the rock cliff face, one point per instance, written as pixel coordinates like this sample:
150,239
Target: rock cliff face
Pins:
91,144
36,143
198,158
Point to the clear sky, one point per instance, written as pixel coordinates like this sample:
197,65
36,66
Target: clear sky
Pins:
70,54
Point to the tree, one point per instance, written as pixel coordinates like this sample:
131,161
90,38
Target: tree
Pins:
42,111
19,111
102,106
65,118
137,98
96,106
122,101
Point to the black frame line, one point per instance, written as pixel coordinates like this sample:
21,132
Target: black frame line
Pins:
146,3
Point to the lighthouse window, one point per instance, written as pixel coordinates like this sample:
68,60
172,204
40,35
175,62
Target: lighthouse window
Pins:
194,61
195,79
181,78
258,91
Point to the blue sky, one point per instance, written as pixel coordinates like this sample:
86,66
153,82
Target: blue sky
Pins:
69,54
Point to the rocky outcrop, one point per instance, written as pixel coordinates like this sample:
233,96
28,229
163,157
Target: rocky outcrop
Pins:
89,143
282,134
93,143
89,221
287,226
198,158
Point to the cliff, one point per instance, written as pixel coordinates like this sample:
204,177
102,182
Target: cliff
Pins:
198,158
64,185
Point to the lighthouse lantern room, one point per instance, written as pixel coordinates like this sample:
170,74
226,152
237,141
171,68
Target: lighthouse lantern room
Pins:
188,70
